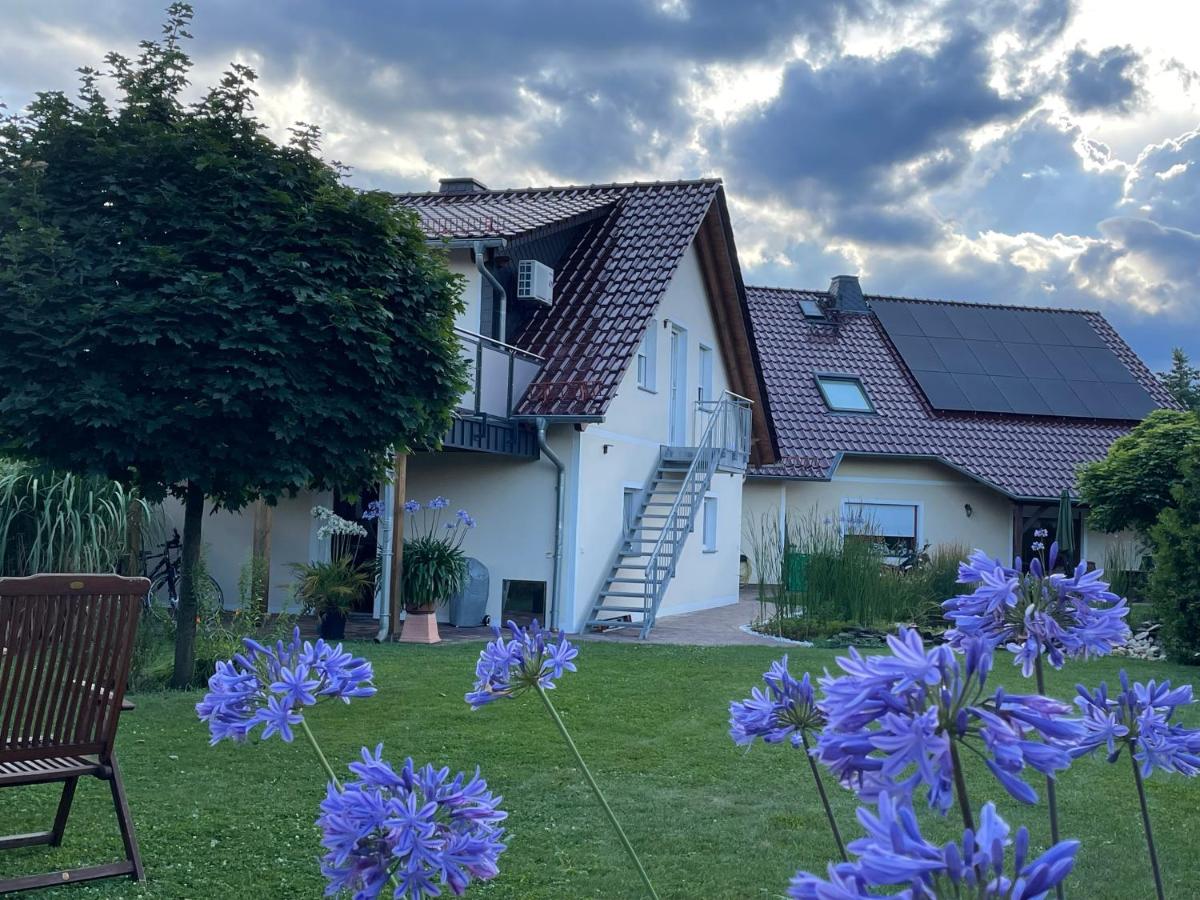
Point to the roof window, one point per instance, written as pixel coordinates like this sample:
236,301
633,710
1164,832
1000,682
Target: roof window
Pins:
844,393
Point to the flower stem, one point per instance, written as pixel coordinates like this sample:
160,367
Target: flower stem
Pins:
837,835
596,790
1141,789
960,786
1051,791
320,755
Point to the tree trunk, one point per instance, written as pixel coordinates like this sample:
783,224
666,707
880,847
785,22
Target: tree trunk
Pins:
261,557
185,617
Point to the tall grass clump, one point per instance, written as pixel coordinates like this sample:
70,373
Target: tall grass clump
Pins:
60,522
1122,565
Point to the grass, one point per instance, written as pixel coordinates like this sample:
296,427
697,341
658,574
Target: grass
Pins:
707,817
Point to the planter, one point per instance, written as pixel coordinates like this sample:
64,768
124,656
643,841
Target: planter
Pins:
332,626
420,626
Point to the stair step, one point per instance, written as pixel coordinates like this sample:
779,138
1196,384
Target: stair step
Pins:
625,581
622,594
621,609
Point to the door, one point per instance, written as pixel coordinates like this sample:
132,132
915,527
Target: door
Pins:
677,413
704,393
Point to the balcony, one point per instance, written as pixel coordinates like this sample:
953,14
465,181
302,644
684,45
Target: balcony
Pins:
498,374
722,427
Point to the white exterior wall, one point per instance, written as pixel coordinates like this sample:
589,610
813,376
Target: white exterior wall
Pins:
624,450
939,491
459,262
228,539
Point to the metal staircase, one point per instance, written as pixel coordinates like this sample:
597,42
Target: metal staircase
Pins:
649,549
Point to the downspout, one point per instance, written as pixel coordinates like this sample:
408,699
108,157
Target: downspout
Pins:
486,273
560,499
384,543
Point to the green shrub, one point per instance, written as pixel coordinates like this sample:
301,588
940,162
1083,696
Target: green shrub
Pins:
60,522
1174,586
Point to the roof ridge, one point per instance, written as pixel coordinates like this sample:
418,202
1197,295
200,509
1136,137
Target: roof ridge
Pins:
935,300
613,185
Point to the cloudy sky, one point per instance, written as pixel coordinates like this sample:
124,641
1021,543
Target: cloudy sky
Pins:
1015,151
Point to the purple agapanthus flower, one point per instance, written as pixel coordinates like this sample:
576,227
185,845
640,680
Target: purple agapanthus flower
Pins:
267,686
1139,717
787,710
374,510
439,503
1032,613
532,657
412,506
891,720
428,831
895,854
465,518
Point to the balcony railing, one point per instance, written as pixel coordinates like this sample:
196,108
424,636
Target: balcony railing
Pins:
498,374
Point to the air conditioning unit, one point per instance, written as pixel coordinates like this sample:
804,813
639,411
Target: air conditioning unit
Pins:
535,281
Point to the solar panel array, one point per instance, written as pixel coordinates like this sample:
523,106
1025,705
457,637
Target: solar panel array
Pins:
993,359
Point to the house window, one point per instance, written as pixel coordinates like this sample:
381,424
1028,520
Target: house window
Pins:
844,393
891,525
706,374
647,358
710,524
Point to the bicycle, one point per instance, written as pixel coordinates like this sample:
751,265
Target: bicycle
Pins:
165,577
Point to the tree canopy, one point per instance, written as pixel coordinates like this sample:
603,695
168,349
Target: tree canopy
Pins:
1175,581
1182,380
190,307
1133,484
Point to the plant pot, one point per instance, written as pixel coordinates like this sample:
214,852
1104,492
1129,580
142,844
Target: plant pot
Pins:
420,627
332,626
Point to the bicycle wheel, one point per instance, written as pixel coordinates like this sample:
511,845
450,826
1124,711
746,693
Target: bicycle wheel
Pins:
159,596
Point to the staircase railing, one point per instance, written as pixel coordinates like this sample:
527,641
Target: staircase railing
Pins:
727,434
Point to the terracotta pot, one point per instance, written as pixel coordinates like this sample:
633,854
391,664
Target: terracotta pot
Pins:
420,628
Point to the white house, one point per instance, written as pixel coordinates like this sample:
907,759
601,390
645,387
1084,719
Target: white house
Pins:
615,405
931,422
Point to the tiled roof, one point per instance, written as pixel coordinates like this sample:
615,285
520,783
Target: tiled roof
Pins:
606,288
1023,456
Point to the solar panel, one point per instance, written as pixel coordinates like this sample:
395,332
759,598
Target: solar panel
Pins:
1009,360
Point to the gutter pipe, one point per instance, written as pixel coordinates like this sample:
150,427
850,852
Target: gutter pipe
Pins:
496,286
560,499
384,542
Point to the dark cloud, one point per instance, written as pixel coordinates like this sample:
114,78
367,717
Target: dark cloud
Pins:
1108,81
864,134
1164,184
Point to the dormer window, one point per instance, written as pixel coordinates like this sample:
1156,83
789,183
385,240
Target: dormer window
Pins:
811,309
844,393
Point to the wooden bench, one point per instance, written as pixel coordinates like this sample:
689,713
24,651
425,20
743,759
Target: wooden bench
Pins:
65,648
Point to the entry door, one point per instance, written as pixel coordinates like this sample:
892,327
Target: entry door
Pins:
677,430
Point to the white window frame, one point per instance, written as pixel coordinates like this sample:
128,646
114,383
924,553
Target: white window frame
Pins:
822,377
646,363
709,519
917,505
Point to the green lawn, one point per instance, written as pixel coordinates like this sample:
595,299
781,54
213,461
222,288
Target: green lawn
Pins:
711,820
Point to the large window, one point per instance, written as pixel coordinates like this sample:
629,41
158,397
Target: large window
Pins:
647,359
894,526
844,393
710,524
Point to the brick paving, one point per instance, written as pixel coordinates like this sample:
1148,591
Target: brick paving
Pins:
716,627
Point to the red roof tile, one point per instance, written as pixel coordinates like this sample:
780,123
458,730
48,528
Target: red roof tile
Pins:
1023,456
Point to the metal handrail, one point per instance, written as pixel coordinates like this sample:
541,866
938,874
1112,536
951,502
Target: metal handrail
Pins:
509,348
471,341
707,457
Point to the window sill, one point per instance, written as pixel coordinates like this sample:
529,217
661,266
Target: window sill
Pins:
709,550
648,390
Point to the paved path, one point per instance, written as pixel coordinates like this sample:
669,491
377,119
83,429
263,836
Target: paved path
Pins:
709,627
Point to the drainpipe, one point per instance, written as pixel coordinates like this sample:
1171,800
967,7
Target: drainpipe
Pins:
560,499
384,542
483,270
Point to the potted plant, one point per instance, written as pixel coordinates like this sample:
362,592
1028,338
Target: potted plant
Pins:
435,567
329,588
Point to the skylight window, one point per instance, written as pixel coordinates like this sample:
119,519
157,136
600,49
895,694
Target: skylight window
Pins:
844,394
811,309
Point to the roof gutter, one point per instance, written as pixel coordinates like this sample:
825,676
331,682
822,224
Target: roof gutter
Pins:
560,500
